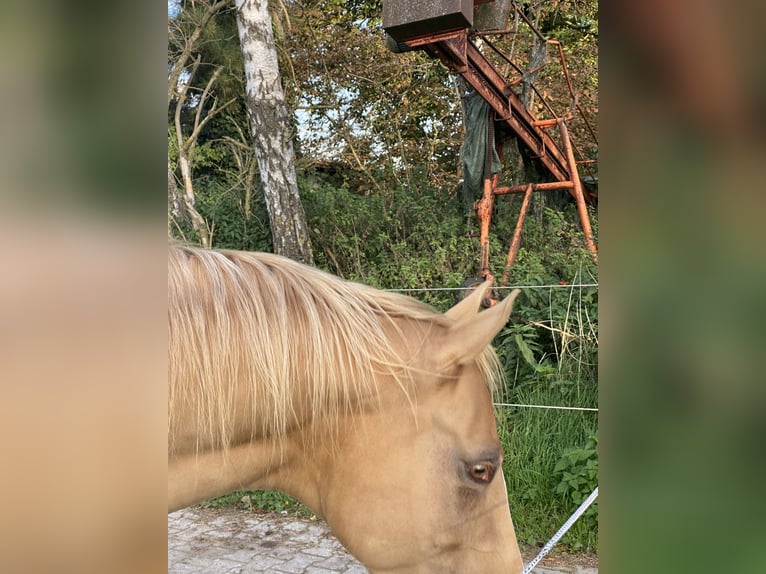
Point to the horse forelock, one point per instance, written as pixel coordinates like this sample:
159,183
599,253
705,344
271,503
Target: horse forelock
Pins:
258,336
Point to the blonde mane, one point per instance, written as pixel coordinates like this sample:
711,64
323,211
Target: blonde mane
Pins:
262,338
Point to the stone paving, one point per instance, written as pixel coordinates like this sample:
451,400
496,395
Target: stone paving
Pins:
234,542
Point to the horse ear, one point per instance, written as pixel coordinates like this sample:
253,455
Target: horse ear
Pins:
470,335
470,305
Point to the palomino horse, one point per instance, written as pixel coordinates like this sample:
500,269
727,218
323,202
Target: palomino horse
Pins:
370,407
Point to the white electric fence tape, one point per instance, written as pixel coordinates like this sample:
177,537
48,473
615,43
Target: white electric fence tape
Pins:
563,530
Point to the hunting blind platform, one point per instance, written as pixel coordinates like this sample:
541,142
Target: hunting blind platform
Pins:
456,32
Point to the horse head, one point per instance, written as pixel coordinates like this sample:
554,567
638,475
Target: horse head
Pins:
416,485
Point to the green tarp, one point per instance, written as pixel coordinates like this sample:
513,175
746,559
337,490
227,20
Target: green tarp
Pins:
474,154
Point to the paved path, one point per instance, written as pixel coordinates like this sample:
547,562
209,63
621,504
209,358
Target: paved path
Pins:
204,541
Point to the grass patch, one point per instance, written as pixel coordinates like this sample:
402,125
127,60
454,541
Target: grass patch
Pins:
535,442
261,500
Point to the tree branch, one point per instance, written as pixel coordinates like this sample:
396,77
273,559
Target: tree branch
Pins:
190,44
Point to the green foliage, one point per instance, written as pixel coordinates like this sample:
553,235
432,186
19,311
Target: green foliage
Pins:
263,500
392,240
578,471
223,207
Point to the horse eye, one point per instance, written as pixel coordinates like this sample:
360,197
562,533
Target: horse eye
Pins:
482,473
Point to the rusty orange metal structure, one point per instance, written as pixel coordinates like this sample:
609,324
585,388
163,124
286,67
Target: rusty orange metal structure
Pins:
458,51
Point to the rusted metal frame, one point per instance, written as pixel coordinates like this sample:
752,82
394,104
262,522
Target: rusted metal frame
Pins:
582,209
444,53
497,81
533,70
449,48
564,67
590,196
548,186
520,120
522,73
484,33
550,109
513,250
425,40
486,80
500,96
455,50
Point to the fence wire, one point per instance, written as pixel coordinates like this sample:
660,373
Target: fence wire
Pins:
553,286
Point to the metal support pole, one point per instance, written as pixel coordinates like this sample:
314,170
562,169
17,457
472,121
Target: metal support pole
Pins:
483,208
548,186
582,209
516,241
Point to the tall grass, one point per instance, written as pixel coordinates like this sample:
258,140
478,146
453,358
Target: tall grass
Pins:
550,354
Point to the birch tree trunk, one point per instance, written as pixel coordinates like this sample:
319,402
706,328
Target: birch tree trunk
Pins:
269,122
